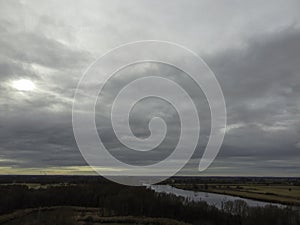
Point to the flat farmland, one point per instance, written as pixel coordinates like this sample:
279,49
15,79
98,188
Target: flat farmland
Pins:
276,193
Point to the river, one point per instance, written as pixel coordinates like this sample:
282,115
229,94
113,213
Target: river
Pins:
210,198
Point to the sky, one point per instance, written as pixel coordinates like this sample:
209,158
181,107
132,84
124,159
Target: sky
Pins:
253,48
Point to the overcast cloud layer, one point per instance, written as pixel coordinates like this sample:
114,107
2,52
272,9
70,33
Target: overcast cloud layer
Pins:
253,47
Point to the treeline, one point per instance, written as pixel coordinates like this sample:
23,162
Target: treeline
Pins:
139,201
234,180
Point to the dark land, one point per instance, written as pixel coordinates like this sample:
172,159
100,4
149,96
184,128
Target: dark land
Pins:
95,200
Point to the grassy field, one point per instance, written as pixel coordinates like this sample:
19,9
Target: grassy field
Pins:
68,215
276,193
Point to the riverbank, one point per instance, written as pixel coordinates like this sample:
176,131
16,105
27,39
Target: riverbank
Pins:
281,194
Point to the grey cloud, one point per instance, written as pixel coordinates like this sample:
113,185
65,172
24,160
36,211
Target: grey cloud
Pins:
260,84
253,50
36,48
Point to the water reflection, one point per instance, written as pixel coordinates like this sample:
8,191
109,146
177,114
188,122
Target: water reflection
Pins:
210,198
